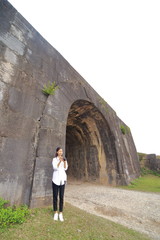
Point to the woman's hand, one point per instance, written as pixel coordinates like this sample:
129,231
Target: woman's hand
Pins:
61,159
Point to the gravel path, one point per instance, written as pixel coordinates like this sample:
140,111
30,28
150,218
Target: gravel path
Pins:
137,210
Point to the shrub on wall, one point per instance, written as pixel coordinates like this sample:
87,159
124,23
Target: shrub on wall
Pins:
49,89
124,129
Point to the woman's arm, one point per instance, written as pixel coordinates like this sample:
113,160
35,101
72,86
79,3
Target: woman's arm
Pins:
54,164
65,165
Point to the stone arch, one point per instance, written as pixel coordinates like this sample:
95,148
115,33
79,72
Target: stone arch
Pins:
90,147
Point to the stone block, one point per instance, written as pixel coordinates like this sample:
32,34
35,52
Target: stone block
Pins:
16,152
10,57
7,13
49,140
51,123
14,125
42,182
57,105
66,73
152,162
21,102
22,24
17,33
12,190
2,91
2,51
18,169
71,90
6,72
13,43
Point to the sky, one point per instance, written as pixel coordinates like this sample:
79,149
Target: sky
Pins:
115,46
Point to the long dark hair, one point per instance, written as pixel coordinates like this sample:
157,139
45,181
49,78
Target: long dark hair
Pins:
57,149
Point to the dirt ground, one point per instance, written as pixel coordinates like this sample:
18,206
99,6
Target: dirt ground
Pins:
136,210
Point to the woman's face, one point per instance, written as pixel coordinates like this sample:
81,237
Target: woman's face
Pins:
60,152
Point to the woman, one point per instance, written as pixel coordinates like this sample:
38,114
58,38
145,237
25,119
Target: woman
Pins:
59,179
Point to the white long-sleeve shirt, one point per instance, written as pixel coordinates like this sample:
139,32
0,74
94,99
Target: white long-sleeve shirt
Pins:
59,173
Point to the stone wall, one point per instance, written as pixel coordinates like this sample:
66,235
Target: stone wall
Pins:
32,125
150,161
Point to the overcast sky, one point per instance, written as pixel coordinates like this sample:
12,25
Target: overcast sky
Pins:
115,46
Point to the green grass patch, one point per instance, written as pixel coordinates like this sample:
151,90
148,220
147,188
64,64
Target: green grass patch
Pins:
78,225
146,183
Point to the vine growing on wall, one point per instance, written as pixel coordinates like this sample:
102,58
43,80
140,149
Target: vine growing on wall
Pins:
50,88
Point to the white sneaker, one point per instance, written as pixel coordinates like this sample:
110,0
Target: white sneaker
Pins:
55,217
61,217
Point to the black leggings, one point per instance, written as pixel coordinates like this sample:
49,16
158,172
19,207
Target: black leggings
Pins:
58,189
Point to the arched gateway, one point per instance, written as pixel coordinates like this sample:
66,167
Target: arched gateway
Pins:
90,145
98,145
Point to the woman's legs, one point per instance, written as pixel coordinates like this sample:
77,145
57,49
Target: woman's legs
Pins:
61,197
58,190
55,196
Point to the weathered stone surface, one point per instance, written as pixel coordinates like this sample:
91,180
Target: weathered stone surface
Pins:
41,194
24,103
2,91
55,106
15,125
10,56
32,125
150,161
48,122
13,43
15,169
6,72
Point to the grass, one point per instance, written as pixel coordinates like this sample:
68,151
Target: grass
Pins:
146,183
78,225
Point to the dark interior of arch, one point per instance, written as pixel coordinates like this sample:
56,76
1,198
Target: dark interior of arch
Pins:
87,132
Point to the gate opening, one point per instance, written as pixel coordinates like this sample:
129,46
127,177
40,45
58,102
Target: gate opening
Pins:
90,147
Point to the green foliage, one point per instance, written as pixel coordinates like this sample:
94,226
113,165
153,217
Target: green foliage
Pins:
146,171
12,215
49,89
3,203
124,129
